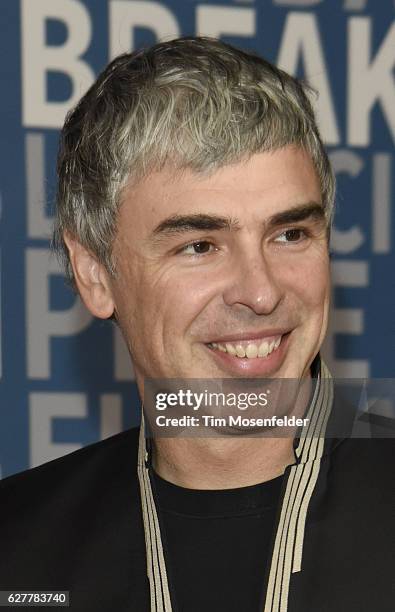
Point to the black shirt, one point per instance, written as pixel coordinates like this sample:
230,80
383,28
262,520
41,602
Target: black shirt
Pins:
217,544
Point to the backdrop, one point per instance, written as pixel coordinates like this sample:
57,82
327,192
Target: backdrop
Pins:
65,379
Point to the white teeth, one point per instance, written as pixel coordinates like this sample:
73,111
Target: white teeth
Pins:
251,351
263,349
230,349
240,352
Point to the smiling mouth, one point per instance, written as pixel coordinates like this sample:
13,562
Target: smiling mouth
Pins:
249,349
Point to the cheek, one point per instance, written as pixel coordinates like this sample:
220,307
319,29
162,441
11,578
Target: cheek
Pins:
308,278
319,285
165,306
180,301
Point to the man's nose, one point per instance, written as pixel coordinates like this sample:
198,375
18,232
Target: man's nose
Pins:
254,284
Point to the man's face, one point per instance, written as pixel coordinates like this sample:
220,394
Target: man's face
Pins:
215,272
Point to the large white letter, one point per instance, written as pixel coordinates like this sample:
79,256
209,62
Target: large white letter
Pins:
43,407
42,323
38,59
346,320
218,20
347,241
301,38
125,16
38,224
370,81
382,201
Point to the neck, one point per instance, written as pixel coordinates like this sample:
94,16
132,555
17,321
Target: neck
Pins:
221,463
228,462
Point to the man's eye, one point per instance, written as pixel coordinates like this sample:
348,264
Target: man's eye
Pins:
294,234
197,248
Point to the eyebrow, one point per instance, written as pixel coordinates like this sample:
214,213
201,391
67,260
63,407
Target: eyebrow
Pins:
310,210
177,224
180,224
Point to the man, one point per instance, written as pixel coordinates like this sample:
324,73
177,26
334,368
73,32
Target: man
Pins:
194,208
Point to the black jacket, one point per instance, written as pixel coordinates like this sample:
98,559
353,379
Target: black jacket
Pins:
75,524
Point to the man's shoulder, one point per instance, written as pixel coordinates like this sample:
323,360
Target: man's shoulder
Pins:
360,474
358,447
364,452
104,464
76,521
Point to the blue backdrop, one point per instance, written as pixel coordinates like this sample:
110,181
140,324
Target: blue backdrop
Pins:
65,379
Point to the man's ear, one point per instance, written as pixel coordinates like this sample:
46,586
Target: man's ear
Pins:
91,278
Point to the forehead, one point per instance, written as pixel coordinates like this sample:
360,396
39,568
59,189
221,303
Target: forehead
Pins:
263,185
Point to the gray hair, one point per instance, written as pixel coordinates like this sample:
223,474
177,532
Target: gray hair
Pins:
192,103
